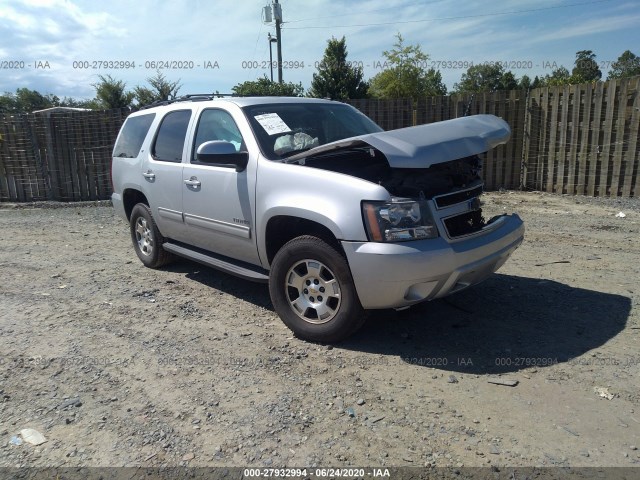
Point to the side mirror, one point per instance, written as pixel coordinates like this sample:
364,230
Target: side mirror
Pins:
222,154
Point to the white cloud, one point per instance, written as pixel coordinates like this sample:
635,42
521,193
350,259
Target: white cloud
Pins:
591,27
231,33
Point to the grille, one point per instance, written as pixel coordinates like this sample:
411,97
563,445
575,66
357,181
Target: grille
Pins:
464,224
457,197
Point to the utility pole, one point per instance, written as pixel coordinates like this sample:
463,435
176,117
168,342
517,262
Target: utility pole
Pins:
277,13
271,40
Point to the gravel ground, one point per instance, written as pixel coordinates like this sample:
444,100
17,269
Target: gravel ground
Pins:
119,365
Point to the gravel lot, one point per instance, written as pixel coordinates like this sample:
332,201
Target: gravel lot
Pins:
119,365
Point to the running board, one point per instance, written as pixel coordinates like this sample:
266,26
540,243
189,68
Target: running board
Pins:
217,263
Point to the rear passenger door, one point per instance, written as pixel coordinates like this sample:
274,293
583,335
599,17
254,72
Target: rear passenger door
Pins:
162,173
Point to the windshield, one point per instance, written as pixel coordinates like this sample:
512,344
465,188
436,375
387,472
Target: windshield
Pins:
285,129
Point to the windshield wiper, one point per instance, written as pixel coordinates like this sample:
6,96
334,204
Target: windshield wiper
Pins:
294,152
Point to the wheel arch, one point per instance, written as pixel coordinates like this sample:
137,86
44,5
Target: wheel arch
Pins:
282,228
130,198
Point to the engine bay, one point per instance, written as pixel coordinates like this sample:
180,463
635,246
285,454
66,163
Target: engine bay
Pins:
371,165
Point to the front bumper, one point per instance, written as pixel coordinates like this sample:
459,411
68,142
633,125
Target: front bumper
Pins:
395,275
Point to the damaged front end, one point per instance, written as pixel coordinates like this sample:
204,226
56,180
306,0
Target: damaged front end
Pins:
432,173
428,238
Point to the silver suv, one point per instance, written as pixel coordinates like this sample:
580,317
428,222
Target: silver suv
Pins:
311,196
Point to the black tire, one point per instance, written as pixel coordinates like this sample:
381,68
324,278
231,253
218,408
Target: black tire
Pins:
147,239
329,309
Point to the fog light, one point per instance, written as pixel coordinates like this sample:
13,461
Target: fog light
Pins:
403,234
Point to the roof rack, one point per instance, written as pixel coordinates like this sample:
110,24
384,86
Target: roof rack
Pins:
192,97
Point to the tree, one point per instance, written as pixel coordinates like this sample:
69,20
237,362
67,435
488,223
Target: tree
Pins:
525,83
265,87
537,82
161,89
7,103
26,101
433,85
627,65
404,75
559,76
31,100
110,93
486,77
585,68
92,104
336,78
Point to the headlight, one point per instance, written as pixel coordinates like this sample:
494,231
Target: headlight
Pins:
398,220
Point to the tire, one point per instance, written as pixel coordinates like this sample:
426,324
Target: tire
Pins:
313,292
147,239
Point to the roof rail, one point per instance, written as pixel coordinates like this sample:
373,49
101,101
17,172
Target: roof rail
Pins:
192,97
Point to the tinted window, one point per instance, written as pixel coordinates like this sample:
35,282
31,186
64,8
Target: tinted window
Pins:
285,129
215,124
169,143
133,133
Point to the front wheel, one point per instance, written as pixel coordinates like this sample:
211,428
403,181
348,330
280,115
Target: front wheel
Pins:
313,292
147,239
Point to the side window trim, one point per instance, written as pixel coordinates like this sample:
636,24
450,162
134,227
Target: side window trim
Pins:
152,147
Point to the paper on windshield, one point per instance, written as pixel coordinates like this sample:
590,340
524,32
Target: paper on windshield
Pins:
272,123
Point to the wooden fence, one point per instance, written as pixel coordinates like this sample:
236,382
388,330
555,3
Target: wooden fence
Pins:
583,139
578,139
54,155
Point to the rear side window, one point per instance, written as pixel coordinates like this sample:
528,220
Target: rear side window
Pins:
133,133
169,142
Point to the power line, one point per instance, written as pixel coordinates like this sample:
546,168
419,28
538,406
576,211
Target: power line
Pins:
461,17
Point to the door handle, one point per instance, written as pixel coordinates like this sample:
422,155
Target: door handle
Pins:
149,175
192,182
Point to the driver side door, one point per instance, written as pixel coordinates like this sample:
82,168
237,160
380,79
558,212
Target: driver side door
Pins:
216,199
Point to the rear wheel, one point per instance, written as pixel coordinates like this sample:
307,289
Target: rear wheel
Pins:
313,292
147,239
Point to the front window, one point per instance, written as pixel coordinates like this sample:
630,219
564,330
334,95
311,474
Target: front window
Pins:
216,124
285,129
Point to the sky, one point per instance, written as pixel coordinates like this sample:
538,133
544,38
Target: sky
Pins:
62,46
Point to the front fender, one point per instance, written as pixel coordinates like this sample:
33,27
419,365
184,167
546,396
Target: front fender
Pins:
331,199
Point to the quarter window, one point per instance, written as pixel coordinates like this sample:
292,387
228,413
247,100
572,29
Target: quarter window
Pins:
169,143
134,131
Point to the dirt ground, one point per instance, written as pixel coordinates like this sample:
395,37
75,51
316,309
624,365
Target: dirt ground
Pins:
120,365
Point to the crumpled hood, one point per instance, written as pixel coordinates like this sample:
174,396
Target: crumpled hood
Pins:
426,145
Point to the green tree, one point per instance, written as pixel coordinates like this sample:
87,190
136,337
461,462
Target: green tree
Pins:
25,100
627,65
91,104
405,76
161,89
585,68
433,85
7,103
559,76
537,82
110,93
525,83
486,77
265,87
336,78
31,100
